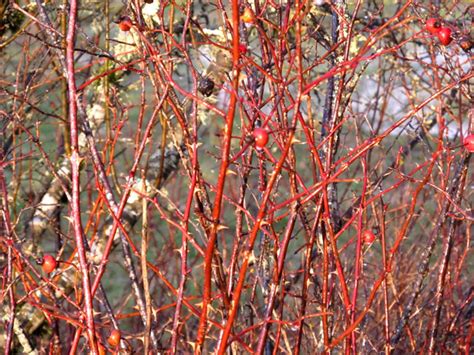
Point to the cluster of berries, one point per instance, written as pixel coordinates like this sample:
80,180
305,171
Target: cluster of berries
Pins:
435,27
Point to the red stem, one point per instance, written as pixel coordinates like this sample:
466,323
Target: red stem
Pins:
216,212
76,179
358,259
252,237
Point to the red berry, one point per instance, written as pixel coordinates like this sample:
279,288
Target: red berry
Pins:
433,25
49,264
444,36
247,16
125,24
469,143
261,137
114,338
243,49
368,237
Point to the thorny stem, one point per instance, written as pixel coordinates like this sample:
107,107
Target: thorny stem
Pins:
381,218
358,258
216,212
321,283
5,224
76,179
143,263
276,281
251,241
448,243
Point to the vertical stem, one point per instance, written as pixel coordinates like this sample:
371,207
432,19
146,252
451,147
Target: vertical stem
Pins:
385,281
184,254
76,179
251,241
107,66
277,280
325,288
64,93
448,242
327,110
5,225
358,259
216,212
146,287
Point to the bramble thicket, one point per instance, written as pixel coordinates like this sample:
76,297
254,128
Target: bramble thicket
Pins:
236,176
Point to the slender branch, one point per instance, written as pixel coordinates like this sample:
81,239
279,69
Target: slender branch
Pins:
216,212
76,179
